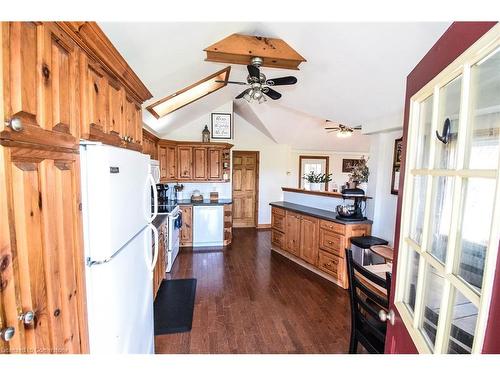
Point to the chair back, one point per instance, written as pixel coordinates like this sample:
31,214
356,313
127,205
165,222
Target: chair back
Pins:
366,304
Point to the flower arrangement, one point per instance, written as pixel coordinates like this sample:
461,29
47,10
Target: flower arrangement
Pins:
317,178
360,171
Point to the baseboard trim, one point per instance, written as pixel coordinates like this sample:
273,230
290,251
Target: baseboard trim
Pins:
264,226
306,265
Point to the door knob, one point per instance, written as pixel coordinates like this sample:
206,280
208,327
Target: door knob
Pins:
387,316
15,124
7,333
27,317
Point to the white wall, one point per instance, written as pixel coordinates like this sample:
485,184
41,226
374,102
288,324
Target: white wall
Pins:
383,206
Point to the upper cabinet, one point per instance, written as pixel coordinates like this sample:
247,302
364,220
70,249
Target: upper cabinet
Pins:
185,162
65,81
40,70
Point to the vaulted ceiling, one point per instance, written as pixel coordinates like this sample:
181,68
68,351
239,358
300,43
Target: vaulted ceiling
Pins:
355,72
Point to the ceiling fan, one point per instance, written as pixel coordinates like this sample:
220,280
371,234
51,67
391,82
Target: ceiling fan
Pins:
259,84
343,131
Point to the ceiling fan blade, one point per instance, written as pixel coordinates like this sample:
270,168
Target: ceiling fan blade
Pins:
288,80
275,95
332,129
357,127
242,94
234,82
254,72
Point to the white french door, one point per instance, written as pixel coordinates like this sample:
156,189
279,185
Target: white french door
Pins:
450,222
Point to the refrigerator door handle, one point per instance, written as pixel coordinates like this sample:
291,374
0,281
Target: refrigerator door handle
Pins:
155,198
151,266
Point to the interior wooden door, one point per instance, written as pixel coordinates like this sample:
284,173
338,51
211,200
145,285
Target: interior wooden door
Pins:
245,188
447,237
309,239
42,262
40,85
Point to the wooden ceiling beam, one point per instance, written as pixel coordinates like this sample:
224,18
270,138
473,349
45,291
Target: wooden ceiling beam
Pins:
239,49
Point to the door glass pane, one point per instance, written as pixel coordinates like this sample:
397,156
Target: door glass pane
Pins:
449,109
424,133
473,236
433,292
418,206
441,216
485,113
411,279
463,325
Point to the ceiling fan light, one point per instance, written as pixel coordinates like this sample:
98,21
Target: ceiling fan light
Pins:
248,95
344,134
257,94
262,99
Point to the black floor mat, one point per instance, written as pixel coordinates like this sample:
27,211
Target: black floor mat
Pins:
174,305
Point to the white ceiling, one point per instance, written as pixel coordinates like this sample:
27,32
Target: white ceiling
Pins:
355,72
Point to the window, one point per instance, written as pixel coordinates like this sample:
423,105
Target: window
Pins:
190,94
451,204
317,164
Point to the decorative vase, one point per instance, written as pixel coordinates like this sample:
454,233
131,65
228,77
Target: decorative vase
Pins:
315,186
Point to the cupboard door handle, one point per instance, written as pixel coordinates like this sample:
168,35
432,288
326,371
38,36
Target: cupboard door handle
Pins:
45,72
27,317
330,242
7,333
15,123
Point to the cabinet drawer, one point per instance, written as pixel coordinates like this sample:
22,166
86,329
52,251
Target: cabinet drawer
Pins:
330,264
278,211
278,239
331,242
334,227
278,222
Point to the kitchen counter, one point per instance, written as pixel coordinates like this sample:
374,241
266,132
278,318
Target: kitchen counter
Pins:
205,202
316,212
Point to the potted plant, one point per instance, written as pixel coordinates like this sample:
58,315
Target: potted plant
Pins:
360,173
316,180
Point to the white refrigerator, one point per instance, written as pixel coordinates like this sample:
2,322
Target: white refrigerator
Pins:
118,235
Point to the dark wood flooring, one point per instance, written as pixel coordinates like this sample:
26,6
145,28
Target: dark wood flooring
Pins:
250,300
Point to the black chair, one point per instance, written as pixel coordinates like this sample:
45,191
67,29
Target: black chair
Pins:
366,327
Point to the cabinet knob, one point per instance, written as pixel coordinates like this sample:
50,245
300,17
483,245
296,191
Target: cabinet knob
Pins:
15,123
27,317
7,333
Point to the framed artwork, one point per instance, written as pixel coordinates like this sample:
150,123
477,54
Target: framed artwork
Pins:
348,164
396,165
221,126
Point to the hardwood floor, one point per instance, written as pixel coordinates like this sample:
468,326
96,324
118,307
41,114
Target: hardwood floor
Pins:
249,300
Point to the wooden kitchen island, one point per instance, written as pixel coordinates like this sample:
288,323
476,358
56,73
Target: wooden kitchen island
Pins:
314,238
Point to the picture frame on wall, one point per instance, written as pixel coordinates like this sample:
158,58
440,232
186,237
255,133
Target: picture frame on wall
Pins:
222,127
396,165
349,164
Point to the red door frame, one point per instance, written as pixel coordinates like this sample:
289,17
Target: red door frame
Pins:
456,39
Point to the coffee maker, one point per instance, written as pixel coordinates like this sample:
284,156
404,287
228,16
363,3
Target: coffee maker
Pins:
351,212
162,191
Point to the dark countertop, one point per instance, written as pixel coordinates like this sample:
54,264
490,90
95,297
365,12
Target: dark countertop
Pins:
316,212
206,202
159,220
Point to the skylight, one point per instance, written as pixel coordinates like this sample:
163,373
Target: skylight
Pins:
189,94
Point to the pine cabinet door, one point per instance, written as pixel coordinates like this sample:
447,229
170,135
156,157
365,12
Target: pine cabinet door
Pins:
42,260
185,160
163,163
214,164
171,171
40,85
115,106
309,239
200,163
292,233
187,226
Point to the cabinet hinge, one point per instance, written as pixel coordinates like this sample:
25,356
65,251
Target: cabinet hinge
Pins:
80,206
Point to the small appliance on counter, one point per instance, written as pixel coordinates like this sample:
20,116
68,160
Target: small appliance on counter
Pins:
214,196
351,212
196,196
162,191
361,252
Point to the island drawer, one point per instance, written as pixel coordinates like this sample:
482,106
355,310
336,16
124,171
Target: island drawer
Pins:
278,239
332,242
330,264
278,220
334,227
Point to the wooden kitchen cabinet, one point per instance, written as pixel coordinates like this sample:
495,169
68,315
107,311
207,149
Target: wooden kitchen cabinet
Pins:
40,67
187,226
171,163
214,164
200,163
161,265
150,145
292,233
309,241
41,256
115,108
162,151
185,162
315,243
